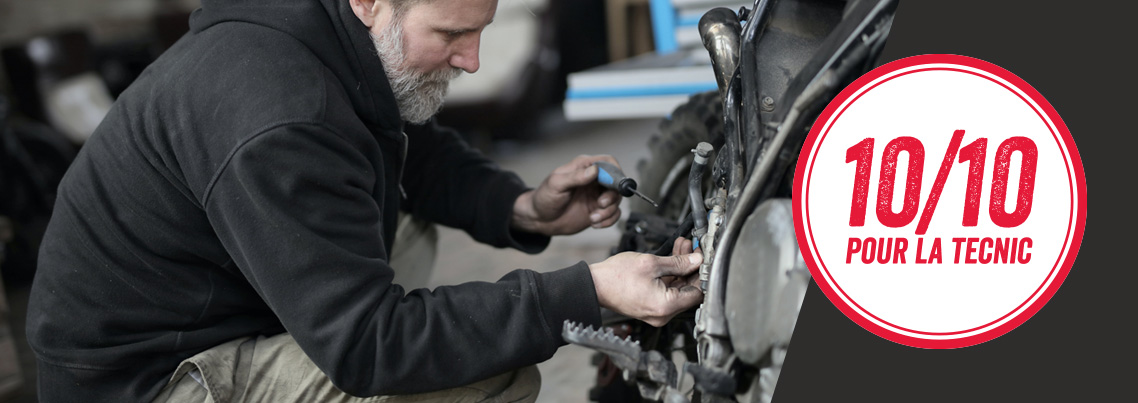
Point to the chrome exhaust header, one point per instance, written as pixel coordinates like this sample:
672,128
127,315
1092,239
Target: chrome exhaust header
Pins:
720,30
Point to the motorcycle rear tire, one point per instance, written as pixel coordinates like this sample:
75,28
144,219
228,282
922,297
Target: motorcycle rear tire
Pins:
700,119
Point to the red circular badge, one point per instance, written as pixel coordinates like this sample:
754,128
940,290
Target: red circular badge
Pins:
939,201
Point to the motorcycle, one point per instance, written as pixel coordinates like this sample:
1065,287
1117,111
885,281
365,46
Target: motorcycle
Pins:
777,66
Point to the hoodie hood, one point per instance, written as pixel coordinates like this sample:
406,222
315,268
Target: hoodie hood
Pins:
334,34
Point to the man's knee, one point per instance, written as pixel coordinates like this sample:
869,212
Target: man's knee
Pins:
521,385
527,384
276,369
414,251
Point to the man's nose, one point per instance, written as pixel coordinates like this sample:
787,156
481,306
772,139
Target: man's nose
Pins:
466,56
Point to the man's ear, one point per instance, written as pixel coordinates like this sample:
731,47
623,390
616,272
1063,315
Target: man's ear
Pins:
372,12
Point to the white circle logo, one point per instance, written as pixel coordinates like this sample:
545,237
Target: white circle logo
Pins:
939,201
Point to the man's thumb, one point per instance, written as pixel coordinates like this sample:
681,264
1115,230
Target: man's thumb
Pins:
679,265
589,174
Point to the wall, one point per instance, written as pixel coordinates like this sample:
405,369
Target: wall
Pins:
104,20
22,19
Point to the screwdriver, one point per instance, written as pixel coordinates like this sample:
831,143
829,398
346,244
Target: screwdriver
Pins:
609,176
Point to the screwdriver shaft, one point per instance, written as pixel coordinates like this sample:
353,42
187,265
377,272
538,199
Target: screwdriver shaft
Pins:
642,196
610,176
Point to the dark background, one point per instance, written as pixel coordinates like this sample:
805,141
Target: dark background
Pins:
1081,345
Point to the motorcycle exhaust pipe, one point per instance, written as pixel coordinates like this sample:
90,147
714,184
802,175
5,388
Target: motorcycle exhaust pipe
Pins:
720,30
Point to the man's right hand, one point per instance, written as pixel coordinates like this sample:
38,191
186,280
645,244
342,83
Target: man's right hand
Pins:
648,287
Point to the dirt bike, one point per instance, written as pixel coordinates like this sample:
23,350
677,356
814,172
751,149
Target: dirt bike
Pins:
722,169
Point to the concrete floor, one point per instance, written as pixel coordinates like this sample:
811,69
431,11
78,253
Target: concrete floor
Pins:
566,377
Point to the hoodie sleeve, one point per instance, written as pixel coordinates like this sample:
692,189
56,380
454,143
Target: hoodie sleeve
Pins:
294,208
450,183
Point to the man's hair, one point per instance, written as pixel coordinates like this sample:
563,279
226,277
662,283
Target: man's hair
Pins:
400,7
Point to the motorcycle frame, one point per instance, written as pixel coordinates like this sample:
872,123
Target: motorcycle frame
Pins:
763,135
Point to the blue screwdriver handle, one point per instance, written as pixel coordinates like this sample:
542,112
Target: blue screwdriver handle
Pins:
608,175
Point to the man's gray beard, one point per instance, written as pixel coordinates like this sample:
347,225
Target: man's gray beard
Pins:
419,95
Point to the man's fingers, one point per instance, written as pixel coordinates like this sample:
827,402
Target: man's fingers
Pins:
607,218
603,214
681,246
678,265
689,291
691,280
584,176
580,172
687,297
566,178
587,160
681,298
608,198
583,169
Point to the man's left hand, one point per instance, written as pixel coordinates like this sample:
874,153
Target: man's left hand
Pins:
569,200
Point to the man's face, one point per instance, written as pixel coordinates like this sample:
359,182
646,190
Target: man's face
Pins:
426,47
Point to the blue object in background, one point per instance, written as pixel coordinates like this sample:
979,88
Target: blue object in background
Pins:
640,91
664,25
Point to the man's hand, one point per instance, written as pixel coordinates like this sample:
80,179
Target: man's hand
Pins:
647,287
568,201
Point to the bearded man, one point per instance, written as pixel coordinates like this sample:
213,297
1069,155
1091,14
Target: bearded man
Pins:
225,234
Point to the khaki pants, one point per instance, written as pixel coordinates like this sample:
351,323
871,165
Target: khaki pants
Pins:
274,369
413,254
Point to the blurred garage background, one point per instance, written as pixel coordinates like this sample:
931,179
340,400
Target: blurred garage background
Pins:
65,61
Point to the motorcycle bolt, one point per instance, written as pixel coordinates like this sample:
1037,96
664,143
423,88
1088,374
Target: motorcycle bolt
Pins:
767,104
